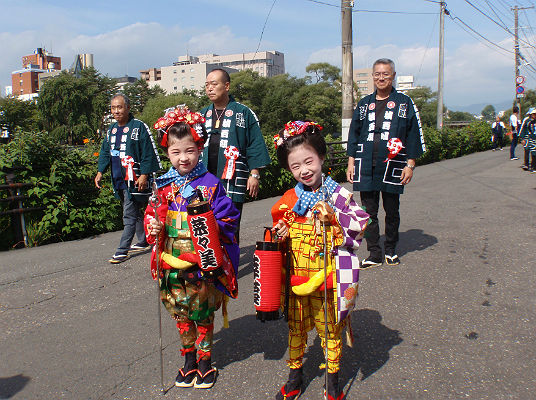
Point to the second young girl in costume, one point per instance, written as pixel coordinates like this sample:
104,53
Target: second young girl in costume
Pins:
301,215
190,294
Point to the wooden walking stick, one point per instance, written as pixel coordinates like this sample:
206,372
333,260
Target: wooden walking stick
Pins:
155,201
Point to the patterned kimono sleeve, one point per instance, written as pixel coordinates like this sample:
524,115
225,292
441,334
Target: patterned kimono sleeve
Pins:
225,212
351,218
149,213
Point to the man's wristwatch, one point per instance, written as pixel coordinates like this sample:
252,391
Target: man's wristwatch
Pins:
256,176
412,167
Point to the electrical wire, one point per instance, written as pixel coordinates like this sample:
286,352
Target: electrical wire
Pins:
454,18
495,22
395,12
428,44
264,26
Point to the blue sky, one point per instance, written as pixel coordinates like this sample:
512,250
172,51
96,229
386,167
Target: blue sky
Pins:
126,36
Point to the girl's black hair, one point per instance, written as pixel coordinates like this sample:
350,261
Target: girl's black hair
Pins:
311,137
178,131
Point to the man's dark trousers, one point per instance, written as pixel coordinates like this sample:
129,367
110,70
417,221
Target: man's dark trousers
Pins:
391,204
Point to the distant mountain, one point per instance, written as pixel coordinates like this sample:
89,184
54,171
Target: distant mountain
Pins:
477,108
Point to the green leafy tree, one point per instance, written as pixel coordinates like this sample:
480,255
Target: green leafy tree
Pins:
426,102
139,93
75,108
488,112
323,72
460,116
18,114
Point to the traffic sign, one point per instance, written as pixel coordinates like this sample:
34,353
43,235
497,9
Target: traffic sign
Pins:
520,80
520,95
520,89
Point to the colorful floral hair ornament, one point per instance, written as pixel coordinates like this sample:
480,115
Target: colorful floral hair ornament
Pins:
293,128
177,114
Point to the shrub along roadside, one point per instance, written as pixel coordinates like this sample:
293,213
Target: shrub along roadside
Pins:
74,209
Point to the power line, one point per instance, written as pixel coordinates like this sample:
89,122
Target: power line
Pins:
479,34
324,3
395,12
262,32
492,20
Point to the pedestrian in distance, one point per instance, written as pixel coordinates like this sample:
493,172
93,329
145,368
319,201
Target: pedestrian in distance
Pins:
527,136
129,151
514,127
497,129
324,227
384,140
193,284
235,150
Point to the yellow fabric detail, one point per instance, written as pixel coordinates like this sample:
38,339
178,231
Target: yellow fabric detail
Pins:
175,262
312,284
224,312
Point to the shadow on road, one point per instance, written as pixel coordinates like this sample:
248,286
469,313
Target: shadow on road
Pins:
414,240
372,343
12,385
245,266
269,338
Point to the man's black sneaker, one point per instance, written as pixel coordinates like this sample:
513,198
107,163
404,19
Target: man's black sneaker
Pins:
370,262
392,259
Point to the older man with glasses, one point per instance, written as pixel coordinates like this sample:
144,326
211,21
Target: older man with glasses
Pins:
384,140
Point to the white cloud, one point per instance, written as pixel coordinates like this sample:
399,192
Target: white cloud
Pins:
125,50
474,73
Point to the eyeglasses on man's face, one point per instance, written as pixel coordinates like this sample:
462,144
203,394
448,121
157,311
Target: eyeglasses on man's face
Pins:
378,75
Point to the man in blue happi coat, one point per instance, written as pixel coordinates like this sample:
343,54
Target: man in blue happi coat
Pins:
384,140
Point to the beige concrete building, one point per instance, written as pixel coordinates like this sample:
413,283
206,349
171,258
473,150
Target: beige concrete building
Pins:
363,80
176,78
266,63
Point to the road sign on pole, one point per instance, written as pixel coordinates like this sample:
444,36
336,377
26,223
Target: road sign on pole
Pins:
520,80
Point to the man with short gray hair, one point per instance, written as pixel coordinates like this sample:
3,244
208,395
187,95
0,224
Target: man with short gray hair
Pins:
129,151
384,141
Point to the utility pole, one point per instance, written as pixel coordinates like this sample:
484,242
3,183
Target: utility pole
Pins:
518,80
441,62
347,67
516,55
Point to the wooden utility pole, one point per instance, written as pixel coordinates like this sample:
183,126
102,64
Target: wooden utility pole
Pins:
516,55
517,96
347,67
441,62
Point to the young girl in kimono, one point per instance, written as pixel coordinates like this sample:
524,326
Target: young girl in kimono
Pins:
190,294
314,204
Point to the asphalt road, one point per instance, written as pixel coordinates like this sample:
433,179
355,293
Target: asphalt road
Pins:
457,319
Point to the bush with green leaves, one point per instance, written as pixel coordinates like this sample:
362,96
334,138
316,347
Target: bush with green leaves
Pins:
63,186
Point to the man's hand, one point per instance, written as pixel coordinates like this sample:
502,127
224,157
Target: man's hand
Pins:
98,179
350,170
141,182
407,174
253,184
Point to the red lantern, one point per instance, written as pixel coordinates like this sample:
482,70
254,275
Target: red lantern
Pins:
268,263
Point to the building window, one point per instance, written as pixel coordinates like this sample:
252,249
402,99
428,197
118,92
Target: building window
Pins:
174,87
174,71
174,79
183,71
